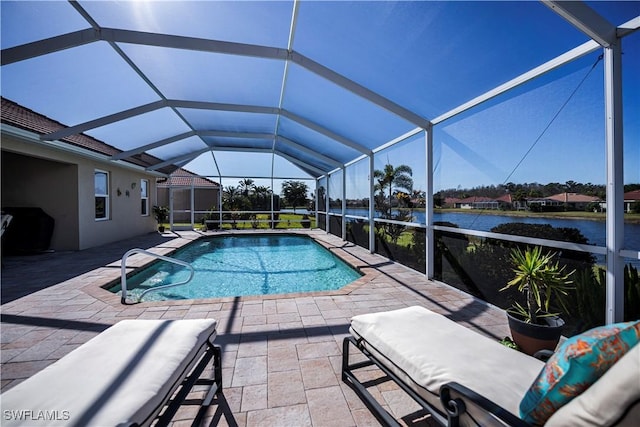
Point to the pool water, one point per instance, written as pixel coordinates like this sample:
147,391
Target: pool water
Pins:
244,265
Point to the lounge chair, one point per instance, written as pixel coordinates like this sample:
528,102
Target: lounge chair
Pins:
463,378
125,376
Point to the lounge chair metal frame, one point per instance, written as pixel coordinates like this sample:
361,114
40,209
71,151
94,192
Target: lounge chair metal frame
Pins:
214,352
452,395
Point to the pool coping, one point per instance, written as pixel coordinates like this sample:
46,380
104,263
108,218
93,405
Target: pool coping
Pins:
107,275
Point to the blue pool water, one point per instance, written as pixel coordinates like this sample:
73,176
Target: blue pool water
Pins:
244,265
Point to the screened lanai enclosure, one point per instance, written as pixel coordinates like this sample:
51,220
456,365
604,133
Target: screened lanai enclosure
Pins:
440,134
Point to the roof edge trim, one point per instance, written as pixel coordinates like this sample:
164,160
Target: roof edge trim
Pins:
33,138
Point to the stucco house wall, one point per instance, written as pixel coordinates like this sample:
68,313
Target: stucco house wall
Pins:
61,181
34,182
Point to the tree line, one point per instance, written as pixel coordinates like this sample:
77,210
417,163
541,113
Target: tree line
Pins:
528,190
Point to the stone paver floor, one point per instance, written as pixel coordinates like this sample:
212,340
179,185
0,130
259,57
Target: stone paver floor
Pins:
281,354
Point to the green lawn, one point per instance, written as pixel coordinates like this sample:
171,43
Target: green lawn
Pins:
287,220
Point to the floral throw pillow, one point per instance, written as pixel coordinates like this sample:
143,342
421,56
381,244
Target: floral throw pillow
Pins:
577,364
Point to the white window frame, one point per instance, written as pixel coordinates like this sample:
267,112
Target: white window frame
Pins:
144,198
105,196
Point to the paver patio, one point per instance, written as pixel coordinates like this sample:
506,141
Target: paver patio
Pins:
281,354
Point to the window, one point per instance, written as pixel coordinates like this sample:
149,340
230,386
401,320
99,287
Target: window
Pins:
144,197
101,184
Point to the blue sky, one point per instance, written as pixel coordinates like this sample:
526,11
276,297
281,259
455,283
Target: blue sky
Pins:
428,57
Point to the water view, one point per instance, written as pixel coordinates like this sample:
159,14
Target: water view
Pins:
593,230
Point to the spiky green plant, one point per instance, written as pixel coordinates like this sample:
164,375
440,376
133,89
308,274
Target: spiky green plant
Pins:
541,280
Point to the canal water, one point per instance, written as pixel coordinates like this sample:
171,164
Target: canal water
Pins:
594,231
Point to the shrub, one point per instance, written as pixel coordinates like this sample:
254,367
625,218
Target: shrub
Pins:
591,296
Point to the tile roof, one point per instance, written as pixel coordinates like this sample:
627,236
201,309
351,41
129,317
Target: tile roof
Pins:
506,198
18,116
574,198
184,178
452,200
632,195
477,199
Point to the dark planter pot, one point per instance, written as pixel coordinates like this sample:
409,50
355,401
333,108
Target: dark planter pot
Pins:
212,224
161,228
532,338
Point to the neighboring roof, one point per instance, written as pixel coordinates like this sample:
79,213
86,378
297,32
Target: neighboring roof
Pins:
540,199
477,199
451,200
574,198
21,117
632,195
184,178
506,198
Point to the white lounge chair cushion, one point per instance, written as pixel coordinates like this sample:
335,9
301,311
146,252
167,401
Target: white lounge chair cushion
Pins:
427,350
122,376
607,401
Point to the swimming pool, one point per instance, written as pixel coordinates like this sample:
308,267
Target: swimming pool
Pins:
243,265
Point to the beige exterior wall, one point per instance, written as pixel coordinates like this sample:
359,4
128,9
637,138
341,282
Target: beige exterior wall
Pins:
62,183
50,185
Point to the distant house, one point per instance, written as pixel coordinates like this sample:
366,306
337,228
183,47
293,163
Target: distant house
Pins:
450,202
182,186
506,202
542,201
478,202
575,200
630,198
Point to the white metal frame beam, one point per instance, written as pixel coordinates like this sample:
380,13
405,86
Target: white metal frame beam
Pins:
202,105
184,157
174,103
615,182
285,141
240,108
114,35
300,163
429,234
191,156
102,121
586,20
324,131
233,134
129,61
147,147
49,45
175,138
233,48
240,149
358,89
573,54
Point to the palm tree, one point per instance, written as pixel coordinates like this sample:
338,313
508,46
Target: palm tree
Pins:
295,193
262,194
391,178
246,186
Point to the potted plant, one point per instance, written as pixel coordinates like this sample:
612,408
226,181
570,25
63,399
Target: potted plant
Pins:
212,220
543,283
161,213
